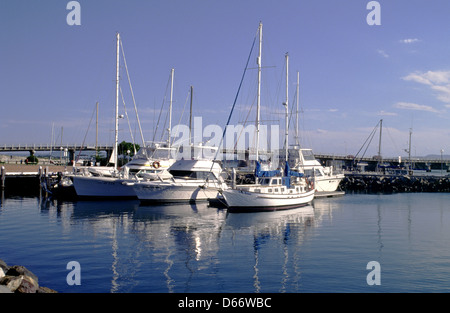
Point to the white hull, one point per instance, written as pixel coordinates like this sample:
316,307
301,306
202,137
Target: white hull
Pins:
102,187
173,192
241,200
328,183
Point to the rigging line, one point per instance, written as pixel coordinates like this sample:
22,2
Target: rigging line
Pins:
184,107
371,135
132,95
84,140
237,94
243,124
160,111
128,120
392,139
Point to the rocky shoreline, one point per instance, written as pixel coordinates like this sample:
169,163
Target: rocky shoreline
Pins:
18,279
395,183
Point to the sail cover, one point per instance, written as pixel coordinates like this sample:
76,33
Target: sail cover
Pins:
261,173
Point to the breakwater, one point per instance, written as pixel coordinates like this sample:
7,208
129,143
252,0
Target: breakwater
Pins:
394,183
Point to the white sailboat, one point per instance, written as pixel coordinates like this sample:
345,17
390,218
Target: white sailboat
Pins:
193,180
271,191
150,163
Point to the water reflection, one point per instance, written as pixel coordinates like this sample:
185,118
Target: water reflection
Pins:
174,245
287,229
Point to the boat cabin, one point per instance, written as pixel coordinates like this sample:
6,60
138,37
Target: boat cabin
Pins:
276,185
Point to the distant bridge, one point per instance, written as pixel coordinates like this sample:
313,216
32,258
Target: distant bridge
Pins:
70,149
346,160
419,163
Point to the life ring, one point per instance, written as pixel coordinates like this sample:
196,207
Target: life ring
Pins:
156,164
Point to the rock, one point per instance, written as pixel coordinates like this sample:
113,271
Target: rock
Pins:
19,279
4,266
27,285
46,290
4,289
12,282
18,270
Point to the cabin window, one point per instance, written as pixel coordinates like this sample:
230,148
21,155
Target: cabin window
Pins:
276,189
269,190
282,189
192,174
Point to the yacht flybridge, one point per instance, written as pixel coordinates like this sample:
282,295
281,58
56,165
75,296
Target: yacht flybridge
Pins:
304,161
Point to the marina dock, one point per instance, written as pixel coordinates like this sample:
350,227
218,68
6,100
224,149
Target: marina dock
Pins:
26,178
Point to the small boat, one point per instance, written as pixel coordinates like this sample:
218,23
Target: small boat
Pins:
192,181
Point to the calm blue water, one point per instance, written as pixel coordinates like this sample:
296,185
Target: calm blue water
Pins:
124,247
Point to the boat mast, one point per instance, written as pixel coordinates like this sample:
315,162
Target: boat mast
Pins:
258,101
170,106
296,113
287,110
96,130
190,116
379,143
116,130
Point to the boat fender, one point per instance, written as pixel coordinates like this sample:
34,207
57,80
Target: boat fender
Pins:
156,164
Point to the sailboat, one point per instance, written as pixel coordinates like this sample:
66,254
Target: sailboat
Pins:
150,163
272,189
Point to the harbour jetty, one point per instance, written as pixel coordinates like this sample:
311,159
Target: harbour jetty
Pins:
18,279
26,178
394,183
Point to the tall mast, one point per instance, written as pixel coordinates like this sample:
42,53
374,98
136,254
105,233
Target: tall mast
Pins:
286,148
379,142
190,116
170,106
116,130
258,102
296,113
96,129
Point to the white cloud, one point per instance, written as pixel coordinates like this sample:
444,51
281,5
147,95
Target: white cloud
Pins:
414,106
384,113
439,81
409,40
383,53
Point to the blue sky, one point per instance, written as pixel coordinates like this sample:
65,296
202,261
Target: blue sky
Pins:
351,74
